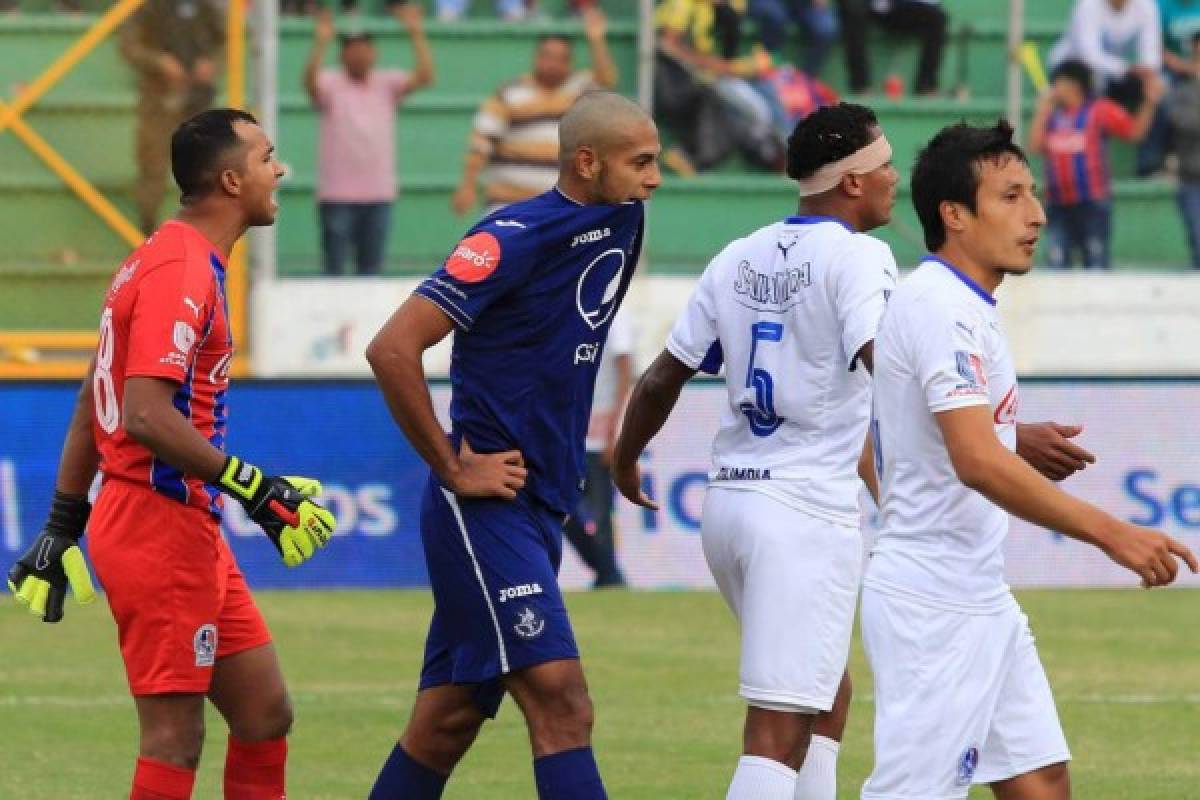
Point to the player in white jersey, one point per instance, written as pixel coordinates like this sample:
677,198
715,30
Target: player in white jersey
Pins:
791,310
960,695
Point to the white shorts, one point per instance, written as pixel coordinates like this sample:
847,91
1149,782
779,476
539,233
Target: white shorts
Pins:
959,699
792,581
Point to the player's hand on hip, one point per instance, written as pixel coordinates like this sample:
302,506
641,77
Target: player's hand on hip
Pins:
1151,554
1047,447
40,577
283,507
488,474
628,480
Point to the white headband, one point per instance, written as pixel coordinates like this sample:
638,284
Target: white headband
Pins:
860,162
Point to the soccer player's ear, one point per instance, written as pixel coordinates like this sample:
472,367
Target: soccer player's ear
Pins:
230,184
952,216
587,164
852,185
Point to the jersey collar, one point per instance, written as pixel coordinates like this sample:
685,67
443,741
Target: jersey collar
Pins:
813,219
567,197
962,276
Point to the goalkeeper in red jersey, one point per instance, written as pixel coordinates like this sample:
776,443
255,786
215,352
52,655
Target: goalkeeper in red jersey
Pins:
151,416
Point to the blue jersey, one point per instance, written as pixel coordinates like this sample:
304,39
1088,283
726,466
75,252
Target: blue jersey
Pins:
533,289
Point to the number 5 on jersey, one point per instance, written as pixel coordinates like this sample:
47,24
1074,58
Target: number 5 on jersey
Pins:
761,413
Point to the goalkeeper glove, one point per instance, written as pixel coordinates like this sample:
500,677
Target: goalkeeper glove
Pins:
39,578
281,506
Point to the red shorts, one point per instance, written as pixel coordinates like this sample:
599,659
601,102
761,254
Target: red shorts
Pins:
177,594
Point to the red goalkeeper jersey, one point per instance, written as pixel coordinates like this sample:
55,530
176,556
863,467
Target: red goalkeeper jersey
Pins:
165,316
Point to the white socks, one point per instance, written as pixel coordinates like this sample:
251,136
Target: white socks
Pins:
817,779
758,778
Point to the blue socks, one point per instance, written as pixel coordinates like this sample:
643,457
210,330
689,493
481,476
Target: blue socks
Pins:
402,778
569,775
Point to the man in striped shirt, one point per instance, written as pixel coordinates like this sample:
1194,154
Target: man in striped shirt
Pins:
514,142
1070,130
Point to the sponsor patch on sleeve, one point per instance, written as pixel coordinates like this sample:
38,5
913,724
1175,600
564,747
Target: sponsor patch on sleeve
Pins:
475,258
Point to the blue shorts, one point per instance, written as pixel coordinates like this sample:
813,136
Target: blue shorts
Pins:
493,567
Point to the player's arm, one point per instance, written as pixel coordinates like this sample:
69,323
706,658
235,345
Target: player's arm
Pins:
282,506
866,468
653,398
322,36
595,26
151,419
39,578
410,14
80,460
395,356
866,356
983,463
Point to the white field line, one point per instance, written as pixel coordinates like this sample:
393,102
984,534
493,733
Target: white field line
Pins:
366,696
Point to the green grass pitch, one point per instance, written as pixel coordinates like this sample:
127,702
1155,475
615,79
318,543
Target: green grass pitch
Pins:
1125,666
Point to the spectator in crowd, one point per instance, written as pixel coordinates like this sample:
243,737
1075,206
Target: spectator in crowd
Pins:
590,529
793,94
816,17
924,19
174,46
356,159
1180,22
1069,129
1183,111
703,91
508,10
1122,42
1119,40
514,142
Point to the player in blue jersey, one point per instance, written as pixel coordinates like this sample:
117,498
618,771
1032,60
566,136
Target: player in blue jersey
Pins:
530,293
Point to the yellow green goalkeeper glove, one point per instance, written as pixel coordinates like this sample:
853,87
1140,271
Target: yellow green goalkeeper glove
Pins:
39,578
296,525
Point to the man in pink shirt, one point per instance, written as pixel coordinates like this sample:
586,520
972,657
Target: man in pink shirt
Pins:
356,163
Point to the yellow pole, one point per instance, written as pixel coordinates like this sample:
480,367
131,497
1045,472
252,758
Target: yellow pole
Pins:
64,63
75,182
235,71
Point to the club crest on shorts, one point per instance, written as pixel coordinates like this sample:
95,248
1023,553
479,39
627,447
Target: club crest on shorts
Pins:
205,645
967,763
530,623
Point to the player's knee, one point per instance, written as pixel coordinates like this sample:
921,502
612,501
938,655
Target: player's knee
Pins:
271,719
445,740
457,730
779,736
561,719
179,743
278,720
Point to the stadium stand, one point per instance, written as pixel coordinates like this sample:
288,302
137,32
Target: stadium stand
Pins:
50,236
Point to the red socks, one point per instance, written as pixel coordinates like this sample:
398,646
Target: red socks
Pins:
156,780
255,770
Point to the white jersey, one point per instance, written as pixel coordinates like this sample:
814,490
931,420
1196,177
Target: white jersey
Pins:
939,348
1110,41
787,309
